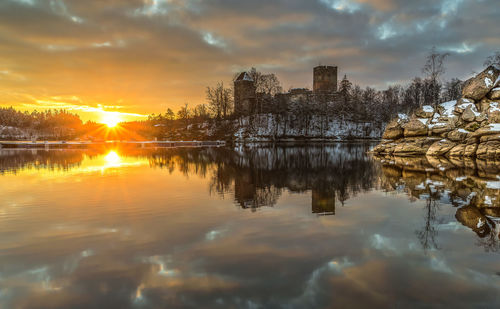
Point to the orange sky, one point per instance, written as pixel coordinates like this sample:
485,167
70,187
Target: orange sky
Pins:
137,57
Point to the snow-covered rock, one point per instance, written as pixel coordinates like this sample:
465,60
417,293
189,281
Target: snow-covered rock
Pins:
467,127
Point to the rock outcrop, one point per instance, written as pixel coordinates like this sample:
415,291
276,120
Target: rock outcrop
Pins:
468,127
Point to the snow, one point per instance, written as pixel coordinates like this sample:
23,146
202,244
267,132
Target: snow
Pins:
463,131
494,107
439,124
420,186
487,200
497,82
266,127
448,107
247,77
495,126
423,120
428,109
461,178
493,184
402,117
488,82
480,223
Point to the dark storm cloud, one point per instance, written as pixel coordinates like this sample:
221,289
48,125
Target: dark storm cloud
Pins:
146,55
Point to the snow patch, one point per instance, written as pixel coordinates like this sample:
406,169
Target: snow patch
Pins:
448,107
423,120
463,131
493,184
495,126
428,109
488,82
480,223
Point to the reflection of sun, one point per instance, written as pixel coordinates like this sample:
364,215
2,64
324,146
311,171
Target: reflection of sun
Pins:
110,119
112,158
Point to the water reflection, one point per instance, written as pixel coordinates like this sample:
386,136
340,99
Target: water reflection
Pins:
472,186
256,227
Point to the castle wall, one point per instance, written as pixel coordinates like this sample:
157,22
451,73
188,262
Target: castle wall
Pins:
244,97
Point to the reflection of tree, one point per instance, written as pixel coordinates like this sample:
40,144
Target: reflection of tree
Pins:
257,176
13,160
427,235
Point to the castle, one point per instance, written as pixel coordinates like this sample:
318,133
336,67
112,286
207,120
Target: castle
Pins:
324,88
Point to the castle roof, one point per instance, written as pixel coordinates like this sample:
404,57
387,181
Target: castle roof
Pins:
244,76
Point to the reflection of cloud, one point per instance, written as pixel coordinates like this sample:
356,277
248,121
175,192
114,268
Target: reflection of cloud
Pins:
313,286
380,242
439,264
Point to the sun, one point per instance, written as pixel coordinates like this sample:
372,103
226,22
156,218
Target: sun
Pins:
110,119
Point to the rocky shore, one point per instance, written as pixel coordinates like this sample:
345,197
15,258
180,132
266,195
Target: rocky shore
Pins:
468,127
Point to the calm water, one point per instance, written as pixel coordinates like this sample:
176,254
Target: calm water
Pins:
264,227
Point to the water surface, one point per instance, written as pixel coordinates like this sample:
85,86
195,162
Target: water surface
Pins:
257,227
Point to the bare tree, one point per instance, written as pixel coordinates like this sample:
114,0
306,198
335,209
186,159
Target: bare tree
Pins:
201,111
493,59
266,87
434,68
220,100
453,89
184,113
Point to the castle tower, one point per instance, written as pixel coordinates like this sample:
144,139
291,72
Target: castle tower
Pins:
325,79
244,94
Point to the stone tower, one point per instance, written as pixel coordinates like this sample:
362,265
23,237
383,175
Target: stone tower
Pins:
244,94
325,79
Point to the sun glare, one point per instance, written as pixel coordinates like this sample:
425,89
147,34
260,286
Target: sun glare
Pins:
110,119
112,158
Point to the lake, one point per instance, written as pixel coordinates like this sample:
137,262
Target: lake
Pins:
315,226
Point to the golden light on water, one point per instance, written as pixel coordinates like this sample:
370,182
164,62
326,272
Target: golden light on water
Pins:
112,158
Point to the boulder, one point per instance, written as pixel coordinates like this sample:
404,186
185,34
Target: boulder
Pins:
425,111
441,127
488,150
457,135
487,138
457,151
440,148
468,115
477,87
472,126
393,130
493,113
472,218
493,128
462,104
413,146
494,94
470,150
484,104
415,127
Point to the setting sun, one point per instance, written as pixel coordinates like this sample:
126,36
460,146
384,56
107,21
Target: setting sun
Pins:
110,119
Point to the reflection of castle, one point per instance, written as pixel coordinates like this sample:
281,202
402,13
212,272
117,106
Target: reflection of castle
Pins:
323,203
324,88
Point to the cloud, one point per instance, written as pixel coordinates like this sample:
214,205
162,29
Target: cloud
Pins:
154,54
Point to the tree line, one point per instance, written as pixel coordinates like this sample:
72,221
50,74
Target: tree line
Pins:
352,102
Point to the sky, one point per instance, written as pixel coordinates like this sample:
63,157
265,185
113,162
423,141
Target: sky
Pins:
137,57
